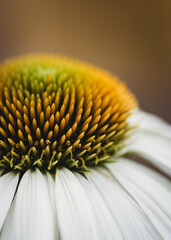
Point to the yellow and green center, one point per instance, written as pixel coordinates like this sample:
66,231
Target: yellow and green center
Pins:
57,112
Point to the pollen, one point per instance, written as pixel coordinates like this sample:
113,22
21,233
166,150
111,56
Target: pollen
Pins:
57,112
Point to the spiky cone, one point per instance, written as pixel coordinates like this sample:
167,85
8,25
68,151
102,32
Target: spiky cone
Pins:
65,131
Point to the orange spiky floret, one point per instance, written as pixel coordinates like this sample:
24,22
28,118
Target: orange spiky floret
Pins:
57,112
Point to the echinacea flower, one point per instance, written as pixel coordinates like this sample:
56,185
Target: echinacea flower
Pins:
70,140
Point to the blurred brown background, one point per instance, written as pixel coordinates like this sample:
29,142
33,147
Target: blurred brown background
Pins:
131,39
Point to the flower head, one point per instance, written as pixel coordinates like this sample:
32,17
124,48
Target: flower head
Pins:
65,132
56,112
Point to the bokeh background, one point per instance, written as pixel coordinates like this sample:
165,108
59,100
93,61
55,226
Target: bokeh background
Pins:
131,39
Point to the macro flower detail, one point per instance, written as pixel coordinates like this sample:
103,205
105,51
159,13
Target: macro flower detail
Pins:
70,140
64,115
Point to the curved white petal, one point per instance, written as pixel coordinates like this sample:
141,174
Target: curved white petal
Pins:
149,206
151,191
127,214
150,123
150,182
30,216
154,149
152,140
8,184
106,224
75,215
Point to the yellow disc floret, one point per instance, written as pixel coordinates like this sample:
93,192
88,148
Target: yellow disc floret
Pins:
57,112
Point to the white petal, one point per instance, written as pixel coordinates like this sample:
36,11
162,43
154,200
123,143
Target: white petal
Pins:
75,215
152,140
51,190
130,220
8,184
151,183
30,216
154,149
158,218
106,224
151,123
